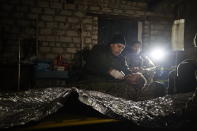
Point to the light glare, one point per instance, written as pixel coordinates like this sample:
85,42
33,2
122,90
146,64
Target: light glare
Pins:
157,54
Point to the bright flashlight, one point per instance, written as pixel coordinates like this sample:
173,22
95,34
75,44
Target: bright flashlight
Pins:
157,54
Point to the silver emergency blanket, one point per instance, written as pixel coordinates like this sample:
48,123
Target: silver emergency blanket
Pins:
35,104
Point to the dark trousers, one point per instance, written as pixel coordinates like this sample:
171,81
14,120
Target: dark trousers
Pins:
183,79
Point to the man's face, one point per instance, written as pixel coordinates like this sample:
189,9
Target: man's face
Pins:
136,48
117,48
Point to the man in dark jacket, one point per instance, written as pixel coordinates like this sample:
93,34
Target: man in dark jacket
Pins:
101,61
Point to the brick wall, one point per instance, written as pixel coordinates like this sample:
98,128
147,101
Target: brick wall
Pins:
63,28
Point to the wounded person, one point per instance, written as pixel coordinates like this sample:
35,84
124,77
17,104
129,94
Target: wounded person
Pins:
106,71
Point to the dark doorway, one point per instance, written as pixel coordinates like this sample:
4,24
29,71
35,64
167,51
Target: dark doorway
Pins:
110,26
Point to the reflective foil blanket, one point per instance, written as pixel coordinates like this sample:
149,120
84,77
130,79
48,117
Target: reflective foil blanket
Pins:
23,107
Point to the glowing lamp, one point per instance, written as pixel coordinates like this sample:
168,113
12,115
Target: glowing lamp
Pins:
157,54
